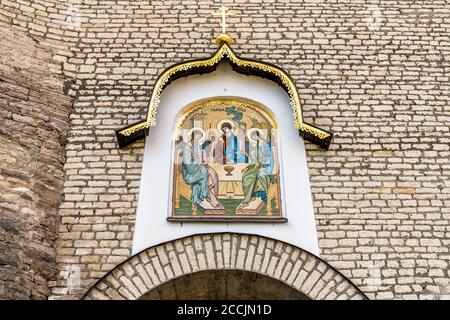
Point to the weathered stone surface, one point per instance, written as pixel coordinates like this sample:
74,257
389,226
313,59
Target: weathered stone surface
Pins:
34,118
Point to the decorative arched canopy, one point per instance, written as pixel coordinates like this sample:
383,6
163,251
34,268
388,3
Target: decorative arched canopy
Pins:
138,130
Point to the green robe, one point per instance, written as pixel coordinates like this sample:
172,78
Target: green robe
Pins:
256,178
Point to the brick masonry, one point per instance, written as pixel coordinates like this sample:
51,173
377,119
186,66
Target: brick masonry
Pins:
376,73
152,267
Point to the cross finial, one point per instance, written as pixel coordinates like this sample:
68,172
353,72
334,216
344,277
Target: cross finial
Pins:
223,11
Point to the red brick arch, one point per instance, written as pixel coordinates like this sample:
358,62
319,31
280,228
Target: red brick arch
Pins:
291,265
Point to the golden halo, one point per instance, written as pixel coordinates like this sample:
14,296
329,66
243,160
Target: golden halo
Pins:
202,139
221,122
250,132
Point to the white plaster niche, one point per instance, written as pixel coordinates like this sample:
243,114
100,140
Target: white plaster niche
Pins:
155,196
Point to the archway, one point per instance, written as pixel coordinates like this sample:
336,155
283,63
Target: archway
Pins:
158,267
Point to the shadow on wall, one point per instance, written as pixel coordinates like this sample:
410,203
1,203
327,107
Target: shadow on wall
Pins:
224,285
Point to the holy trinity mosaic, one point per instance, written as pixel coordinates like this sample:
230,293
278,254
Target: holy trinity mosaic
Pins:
225,162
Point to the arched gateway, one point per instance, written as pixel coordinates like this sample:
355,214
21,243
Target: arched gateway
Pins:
224,266
230,164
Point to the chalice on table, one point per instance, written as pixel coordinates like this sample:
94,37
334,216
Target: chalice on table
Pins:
229,170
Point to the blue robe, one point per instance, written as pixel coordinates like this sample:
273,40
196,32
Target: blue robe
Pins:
194,173
232,152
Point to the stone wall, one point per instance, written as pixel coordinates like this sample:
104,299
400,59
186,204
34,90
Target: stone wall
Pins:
374,72
33,127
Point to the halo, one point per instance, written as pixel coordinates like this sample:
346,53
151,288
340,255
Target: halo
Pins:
250,132
221,122
202,139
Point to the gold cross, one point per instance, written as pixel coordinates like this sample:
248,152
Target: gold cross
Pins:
223,12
